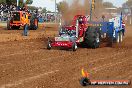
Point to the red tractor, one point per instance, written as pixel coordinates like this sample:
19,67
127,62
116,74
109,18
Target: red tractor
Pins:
79,33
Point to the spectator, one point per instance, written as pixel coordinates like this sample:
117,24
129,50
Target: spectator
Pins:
5,9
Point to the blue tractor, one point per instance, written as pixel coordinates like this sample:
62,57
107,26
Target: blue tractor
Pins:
114,29
111,31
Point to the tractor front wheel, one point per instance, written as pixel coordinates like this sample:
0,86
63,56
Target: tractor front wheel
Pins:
34,24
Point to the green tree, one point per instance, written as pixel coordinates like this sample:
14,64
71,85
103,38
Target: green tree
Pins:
48,11
44,10
129,3
32,8
2,1
62,6
29,1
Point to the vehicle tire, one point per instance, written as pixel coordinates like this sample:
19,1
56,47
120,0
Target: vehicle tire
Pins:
34,24
49,45
120,36
85,81
74,47
12,27
16,27
8,25
92,37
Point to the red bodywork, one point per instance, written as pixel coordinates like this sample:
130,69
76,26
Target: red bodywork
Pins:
16,24
62,44
82,26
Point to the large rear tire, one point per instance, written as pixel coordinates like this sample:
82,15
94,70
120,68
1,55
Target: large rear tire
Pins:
92,37
34,23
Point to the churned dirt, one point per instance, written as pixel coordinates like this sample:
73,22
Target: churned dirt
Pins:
17,34
26,63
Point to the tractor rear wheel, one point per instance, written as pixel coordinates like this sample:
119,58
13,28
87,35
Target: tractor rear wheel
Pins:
92,37
34,24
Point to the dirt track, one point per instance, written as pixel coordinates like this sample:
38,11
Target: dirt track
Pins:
28,64
17,35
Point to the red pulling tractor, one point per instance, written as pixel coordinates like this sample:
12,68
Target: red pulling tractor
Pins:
89,34
79,33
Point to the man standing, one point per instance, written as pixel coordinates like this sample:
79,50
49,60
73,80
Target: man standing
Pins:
26,21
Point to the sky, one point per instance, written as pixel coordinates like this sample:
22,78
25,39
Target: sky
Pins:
50,4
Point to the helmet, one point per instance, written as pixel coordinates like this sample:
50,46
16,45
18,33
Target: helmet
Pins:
80,20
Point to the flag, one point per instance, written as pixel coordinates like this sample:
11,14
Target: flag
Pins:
17,2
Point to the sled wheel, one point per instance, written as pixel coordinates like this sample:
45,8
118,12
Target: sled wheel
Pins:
74,47
49,45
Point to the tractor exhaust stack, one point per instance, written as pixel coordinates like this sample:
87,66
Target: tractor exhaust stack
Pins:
77,24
